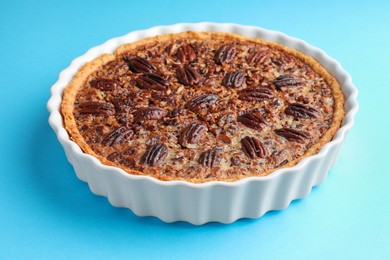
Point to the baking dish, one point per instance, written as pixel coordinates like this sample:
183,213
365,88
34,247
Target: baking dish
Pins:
212,201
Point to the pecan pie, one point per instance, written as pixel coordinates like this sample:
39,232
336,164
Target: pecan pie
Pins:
202,106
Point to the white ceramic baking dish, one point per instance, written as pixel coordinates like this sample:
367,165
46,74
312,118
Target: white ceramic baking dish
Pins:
216,201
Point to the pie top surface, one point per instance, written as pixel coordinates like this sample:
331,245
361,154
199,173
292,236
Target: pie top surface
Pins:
202,107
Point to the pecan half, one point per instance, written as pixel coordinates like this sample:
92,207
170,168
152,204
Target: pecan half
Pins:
255,94
186,54
118,136
188,75
301,111
253,148
252,120
139,65
201,102
152,81
287,81
94,107
210,158
192,134
149,113
233,79
259,57
292,135
225,53
155,155
105,84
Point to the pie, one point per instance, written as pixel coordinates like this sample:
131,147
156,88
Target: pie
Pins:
202,106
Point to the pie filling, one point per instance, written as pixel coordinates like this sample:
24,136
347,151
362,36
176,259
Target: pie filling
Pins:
204,106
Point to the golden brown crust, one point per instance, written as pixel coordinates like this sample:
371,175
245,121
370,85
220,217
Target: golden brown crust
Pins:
69,97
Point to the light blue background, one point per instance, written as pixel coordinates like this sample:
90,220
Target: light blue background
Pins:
46,212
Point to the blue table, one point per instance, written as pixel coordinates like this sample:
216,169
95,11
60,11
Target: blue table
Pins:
47,212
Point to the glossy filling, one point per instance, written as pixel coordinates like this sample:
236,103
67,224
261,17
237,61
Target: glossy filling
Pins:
204,109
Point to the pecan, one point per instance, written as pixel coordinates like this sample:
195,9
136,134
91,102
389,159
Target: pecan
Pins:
287,81
201,102
192,134
118,136
277,62
149,113
225,53
301,111
255,94
281,164
210,158
188,75
152,81
233,79
252,120
186,54
94,107
224,138
259,57
155,155
139,65
105,84
292,135
253,148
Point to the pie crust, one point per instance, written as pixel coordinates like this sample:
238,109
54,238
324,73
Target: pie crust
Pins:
224,170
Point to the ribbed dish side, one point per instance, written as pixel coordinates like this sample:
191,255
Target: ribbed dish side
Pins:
219,203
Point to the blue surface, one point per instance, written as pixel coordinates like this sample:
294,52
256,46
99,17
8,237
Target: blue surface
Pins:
47,212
